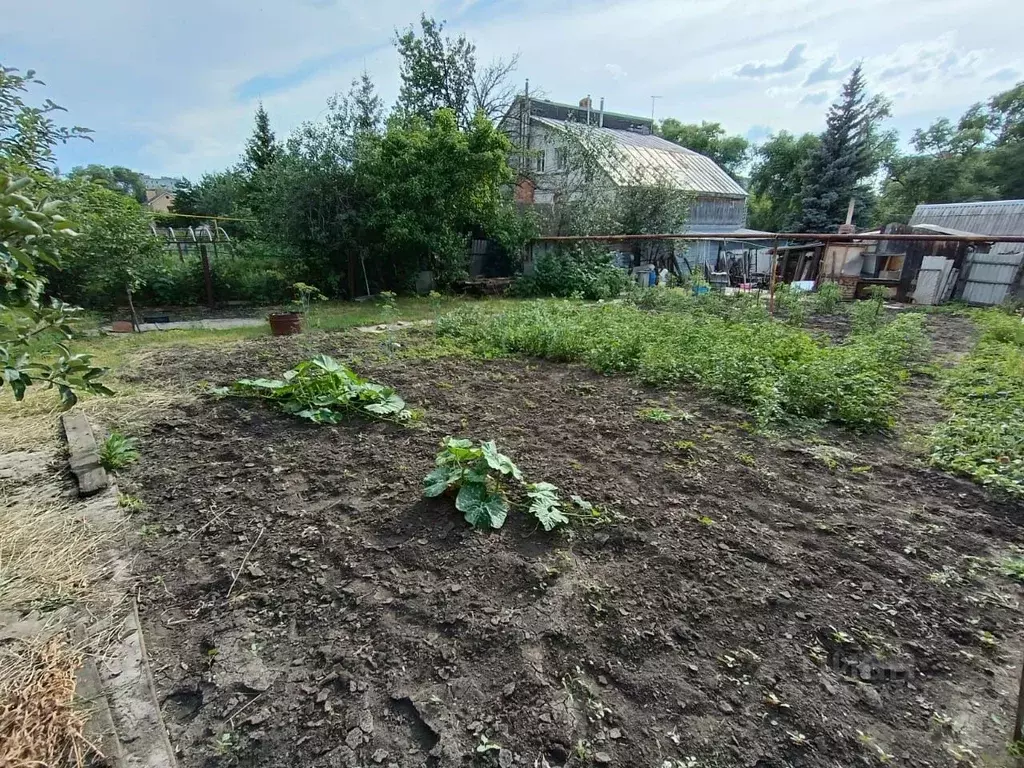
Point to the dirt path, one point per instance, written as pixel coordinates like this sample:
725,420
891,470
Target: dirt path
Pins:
755,602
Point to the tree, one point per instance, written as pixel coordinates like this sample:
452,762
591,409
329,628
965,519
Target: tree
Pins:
32,232
105,261
28,134
440,72
1007,159
366,106
426,188
777,180
711,140
222,194
116,177
262,149
951,164
852,149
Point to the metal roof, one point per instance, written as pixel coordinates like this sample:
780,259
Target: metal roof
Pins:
1000,217
649,159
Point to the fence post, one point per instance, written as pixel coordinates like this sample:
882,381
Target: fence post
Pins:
207,275
771,277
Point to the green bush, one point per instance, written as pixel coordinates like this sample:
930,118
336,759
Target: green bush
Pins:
586,272
777,370
984,437
828,298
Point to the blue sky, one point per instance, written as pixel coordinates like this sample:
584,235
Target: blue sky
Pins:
170,88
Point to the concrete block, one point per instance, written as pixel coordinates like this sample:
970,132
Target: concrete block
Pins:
83,454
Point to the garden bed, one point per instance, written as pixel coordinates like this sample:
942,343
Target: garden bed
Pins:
753,601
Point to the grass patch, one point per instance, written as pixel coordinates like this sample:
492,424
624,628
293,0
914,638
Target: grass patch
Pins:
739,355
984,436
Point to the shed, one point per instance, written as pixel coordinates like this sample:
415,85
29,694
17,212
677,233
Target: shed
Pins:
994,275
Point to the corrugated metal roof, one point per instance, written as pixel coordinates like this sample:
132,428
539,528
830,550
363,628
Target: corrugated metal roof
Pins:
649,159
1000,217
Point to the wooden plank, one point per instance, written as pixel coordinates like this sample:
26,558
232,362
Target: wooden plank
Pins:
83,454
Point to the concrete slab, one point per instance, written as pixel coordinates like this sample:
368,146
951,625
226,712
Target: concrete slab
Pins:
211,324
83,454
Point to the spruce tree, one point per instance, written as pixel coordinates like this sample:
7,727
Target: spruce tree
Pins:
261,150
845,159
366,107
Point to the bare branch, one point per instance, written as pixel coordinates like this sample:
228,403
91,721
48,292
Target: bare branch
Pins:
493,90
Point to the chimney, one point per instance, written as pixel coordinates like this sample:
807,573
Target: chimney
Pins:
585,103
600,119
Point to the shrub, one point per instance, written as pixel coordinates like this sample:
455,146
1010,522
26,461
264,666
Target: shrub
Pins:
827,298
584,271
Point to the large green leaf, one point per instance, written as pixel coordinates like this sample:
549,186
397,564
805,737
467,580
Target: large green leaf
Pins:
545,505
481,507
440,480
262,383
392,405
328,364
499,461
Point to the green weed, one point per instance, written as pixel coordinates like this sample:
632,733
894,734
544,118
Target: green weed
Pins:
130,503
118,451
741,356
984,436
828,298
655,415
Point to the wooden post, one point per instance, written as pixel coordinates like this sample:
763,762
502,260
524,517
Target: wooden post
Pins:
207,275
136,326
1018,724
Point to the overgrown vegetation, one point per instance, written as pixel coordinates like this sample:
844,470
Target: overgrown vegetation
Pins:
324,391
779,371
984,436
482,478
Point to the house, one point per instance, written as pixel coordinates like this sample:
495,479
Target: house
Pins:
159,200
991,275
547,132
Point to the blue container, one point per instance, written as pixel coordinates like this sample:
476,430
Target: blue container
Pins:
700,290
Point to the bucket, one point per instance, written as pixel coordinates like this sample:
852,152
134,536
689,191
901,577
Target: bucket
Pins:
285,323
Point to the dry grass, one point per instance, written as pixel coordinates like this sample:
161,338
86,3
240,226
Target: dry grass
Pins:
39,723
49,555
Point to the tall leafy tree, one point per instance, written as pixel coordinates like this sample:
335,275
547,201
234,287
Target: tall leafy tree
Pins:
851,151
440,72
366,106
711,140
115,177
262,148
1007,161
951,163
777,180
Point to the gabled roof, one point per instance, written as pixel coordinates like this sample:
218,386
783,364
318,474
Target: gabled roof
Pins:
650,159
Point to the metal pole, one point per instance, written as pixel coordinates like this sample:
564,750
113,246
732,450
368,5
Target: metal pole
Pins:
771,278
207,275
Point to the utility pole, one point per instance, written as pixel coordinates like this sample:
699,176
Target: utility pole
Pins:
653,99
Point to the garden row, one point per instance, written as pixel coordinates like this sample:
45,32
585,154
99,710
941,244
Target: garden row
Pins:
735,352
984,437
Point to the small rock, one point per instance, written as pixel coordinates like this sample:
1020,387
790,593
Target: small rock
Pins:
614,734
322,696
803,616
475,727
260,717
725,707
786,595
602,680
602,758
505,758
379,756
366,721
509,689
869,697
601,539
255,570
354,738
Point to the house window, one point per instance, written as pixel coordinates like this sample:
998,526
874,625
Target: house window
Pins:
561,158
540,162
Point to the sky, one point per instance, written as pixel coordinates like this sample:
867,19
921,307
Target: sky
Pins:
170,88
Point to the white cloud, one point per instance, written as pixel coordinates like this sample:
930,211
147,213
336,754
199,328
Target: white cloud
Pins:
173,92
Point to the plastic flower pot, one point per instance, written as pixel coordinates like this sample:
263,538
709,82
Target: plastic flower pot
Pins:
285,323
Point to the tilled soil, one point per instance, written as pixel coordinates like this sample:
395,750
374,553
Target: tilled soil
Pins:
753,602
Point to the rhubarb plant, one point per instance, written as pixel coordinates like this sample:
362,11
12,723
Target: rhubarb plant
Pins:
324,391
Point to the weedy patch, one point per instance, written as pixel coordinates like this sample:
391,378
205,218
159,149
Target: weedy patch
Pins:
324,391
481,476
118,451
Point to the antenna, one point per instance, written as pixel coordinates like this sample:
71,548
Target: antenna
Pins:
653,99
